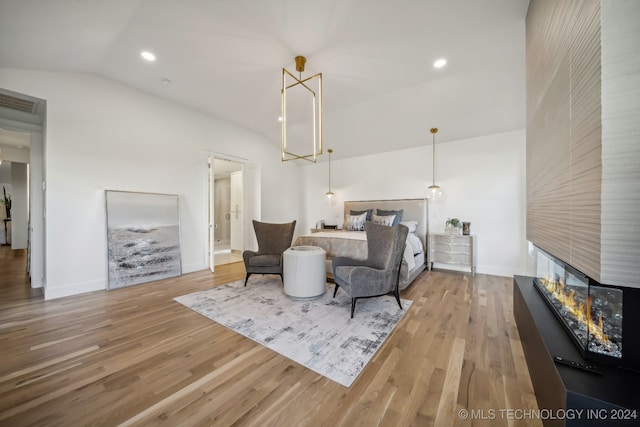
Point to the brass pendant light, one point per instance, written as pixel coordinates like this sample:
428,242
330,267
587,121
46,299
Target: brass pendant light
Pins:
305,91
329,193
435,192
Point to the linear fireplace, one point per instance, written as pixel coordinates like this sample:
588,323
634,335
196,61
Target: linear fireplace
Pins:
592,314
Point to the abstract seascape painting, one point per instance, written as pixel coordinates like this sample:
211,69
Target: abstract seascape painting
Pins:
143,237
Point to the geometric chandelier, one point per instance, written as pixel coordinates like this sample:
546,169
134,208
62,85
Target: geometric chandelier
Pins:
301,114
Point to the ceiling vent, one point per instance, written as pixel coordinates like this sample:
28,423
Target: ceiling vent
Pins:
18,104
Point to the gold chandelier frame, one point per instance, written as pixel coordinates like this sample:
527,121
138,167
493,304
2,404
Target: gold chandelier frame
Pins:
316,99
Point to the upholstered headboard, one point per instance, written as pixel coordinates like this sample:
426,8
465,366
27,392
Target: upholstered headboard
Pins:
414,209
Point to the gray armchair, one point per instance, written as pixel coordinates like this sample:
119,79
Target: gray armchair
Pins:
273,240
379,274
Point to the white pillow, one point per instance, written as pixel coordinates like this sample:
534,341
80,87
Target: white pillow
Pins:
355,222
411,225
415,242
383,220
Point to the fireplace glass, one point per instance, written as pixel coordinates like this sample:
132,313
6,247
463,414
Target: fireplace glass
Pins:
591,313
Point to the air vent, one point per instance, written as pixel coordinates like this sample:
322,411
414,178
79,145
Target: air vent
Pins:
17,104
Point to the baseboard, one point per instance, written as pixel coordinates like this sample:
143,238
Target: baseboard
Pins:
191,268
51,292
100,285
495,270
480,269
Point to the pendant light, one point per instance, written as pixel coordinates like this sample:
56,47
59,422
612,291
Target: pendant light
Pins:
329,193
435,192
297,88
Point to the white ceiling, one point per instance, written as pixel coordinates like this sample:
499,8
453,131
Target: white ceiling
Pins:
224,57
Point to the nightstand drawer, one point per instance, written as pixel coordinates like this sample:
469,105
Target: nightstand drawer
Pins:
451,258
450,239
451,247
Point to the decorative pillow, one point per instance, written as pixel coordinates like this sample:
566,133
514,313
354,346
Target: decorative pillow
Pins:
398,214
384,220
415,242
356,222
368,212
411,225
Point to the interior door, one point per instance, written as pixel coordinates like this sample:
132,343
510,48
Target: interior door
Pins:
211,187
252,203
237,211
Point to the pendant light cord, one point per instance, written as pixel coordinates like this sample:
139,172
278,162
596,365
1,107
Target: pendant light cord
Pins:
433,133
433,181
330,151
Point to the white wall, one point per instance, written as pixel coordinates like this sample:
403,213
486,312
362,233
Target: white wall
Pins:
620,225
5,173
19,205
13,154
222,197
36,209
102,135
483,178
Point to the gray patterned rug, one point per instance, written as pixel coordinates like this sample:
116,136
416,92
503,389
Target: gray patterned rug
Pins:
318,333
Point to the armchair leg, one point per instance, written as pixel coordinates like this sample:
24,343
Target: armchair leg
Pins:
396,293
246,279
353,306
335,290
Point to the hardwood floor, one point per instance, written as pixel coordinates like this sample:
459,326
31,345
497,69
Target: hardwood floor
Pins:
136,357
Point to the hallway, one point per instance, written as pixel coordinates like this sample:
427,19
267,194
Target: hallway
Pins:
14,283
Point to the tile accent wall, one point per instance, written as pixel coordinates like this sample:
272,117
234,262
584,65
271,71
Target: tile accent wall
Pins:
583,125
564,131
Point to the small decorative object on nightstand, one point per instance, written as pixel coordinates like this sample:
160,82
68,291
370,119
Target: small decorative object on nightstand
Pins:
324,227
466,228
452,249
453,226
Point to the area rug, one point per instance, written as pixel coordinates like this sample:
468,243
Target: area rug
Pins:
318,334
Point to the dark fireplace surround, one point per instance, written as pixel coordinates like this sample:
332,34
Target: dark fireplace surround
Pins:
563,313
592,314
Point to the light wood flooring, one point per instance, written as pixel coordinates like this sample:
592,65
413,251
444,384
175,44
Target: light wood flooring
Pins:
226,257
135,357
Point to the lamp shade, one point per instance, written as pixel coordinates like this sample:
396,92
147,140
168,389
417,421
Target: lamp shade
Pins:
435,194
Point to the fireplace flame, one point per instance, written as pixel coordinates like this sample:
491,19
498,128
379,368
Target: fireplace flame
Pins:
581,313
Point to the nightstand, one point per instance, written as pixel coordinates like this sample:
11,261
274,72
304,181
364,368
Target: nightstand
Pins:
452,249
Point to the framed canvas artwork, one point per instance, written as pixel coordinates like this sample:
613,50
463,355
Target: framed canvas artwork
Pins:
143,237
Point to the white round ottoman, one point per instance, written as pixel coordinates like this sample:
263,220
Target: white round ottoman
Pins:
304,273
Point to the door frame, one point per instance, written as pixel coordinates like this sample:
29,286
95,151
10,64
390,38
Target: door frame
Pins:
251,191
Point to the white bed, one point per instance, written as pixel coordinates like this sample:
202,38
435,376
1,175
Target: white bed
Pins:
353,243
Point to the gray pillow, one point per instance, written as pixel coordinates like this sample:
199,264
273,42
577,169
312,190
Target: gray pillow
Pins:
368,211
383,220
398,214
355,222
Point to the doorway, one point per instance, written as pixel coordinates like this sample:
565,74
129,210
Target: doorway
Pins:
22,144
228,211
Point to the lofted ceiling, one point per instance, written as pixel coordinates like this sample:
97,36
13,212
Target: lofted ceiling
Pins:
224,58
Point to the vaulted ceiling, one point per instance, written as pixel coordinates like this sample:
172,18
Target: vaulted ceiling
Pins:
224,58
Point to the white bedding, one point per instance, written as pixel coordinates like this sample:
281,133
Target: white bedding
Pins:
413,242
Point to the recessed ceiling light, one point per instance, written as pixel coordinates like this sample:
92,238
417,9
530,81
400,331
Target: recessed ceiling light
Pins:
165,81
440,63
148,56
